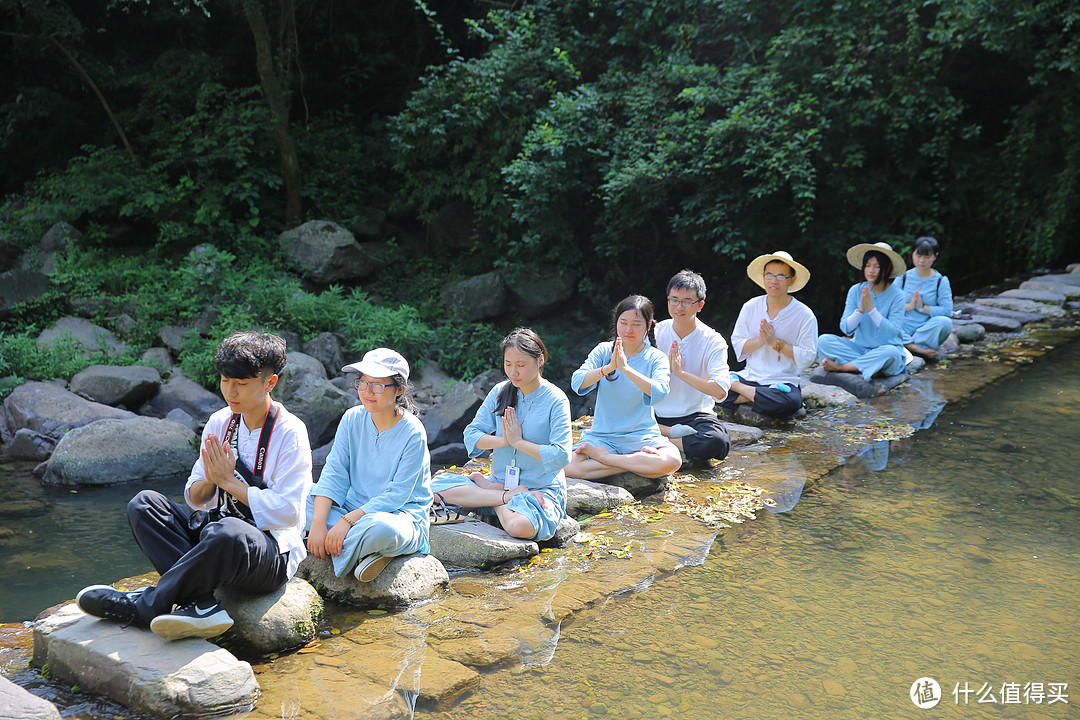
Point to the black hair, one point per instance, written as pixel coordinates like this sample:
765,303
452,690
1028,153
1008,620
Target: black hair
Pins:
405,399
250,354
634,302
790,270
687,280
926,245
885,276
527,341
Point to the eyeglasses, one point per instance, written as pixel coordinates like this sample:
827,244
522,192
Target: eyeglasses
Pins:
682,303
377,388
781,277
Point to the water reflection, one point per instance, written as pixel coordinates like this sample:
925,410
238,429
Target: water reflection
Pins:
784,485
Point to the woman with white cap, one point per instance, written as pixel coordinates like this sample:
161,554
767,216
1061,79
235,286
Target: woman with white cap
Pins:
372,499
873,319
777,337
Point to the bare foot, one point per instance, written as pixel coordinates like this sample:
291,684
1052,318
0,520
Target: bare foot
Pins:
829,366
592,452
928,353
482,481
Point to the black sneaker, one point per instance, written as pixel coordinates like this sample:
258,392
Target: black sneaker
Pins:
203,618
105,601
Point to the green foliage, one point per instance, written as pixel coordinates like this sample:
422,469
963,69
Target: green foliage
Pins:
599,134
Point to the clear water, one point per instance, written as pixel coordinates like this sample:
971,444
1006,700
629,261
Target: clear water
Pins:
958,560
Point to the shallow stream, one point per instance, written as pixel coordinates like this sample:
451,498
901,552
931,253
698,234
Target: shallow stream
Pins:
952,554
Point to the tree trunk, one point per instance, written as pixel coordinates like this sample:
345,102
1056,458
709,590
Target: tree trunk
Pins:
270,75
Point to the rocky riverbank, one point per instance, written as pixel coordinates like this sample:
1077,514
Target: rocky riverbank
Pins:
486,620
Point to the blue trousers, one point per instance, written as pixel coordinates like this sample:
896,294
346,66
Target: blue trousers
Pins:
381,533
933,332
886,359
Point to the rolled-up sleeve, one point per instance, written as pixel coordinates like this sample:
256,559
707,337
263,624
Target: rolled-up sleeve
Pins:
944,299
599,356
659,378
804,349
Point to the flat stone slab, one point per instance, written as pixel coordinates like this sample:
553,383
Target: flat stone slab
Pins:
262,624
817,395
1043,296
968,331
854,383
17,703
1066,289
743,435
755,421
141,671
475,544
980,309
637,485
1069,278
1023,306
404,580
991,323
586,497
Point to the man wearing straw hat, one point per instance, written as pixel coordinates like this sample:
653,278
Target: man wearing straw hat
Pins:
777,337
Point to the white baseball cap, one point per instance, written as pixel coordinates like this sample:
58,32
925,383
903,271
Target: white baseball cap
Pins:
380,362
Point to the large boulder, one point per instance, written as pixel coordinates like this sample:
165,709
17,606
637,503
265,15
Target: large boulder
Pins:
141,671
116,452
50,410
273,622
17,703
326,348
743,435
476,544
187,395
20,286
303,388
404,580
59,236
476,298
324,252
856,385
537,290
638,485
447,420
29,445
968,332
585,497
87,338
127,385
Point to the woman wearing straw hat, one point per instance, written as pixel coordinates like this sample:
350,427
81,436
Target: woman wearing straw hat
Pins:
873,319
777,337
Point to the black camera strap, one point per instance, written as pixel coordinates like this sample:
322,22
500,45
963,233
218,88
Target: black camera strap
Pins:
229,504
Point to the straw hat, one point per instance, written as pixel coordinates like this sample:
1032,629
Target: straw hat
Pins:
856,253
756,269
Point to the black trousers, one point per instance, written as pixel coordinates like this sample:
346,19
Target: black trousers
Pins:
770,401
711,440
228,552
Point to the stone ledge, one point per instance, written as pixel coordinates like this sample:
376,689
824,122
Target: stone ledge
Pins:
854,383
141,671
476,544
282,620
404,580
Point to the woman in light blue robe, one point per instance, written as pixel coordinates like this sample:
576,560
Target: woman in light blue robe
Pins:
873,319
928,301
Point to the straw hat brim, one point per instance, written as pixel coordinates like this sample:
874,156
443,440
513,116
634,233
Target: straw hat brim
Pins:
856,253
756,269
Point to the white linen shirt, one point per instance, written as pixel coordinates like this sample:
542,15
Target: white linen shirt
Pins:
704,353
795,323
280,507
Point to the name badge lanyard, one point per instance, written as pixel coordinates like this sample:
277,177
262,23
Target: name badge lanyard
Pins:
253,478
513,473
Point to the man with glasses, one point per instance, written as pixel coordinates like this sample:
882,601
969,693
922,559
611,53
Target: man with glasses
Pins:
699,373
777,337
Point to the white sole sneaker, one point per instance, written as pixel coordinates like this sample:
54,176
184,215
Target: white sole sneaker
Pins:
187,623
369,568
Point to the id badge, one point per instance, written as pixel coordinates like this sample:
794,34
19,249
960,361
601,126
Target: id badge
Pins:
513,477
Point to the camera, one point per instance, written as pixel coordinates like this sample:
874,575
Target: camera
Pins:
201,518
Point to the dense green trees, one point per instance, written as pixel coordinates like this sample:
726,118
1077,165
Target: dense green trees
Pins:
620,138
